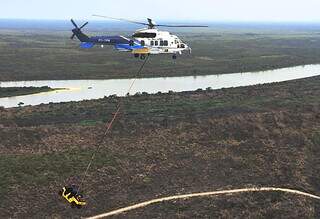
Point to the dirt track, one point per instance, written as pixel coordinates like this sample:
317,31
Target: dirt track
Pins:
223,192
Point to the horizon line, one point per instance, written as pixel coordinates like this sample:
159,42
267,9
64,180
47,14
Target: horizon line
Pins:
174,20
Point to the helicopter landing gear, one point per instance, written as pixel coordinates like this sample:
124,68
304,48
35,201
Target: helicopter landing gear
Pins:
174,57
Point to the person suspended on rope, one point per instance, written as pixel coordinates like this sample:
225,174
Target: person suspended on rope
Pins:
72,195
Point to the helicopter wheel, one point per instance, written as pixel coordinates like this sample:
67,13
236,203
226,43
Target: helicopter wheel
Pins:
174,56
142,57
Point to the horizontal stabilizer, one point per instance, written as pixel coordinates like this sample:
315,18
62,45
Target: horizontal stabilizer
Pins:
86,45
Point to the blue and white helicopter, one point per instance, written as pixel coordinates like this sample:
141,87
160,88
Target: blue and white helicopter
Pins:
144,42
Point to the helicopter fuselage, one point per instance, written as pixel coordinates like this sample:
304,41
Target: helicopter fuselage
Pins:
160,42
147,41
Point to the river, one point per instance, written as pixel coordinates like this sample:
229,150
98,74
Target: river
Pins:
77,90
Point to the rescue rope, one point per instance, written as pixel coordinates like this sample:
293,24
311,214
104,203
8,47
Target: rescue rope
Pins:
194,195
110,124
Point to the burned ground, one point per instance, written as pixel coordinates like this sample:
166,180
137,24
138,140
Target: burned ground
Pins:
167,144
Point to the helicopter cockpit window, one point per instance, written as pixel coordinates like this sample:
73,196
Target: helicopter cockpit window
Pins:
165,43
143,43
161,43
144,35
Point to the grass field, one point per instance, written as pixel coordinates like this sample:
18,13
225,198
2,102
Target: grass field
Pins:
163,144
167,144
51,55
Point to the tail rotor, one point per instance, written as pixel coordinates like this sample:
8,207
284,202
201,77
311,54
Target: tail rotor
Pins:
77,29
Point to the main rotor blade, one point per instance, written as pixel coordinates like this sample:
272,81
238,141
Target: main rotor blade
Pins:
163,25
120,19
84,25
74,23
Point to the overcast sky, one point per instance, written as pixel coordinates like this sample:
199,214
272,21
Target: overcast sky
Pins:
207,10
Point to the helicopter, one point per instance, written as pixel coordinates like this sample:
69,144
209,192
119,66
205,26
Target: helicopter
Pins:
143,42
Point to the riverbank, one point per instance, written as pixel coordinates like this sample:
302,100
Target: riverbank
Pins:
51,55
167,144
22,91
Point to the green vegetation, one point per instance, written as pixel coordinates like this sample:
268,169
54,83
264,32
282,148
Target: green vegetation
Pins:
19,91
40,169
53,56
165,144
316,138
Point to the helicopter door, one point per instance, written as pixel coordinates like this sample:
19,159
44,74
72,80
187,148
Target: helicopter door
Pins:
177,43
143,43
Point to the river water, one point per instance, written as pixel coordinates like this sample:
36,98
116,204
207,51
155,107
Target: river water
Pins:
77,90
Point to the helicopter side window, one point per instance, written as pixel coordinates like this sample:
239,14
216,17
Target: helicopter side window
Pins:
143,43
161,43
144,35
156,43
165,43
152,43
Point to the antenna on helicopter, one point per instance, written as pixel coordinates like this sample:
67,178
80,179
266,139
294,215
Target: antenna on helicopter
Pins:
151,24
